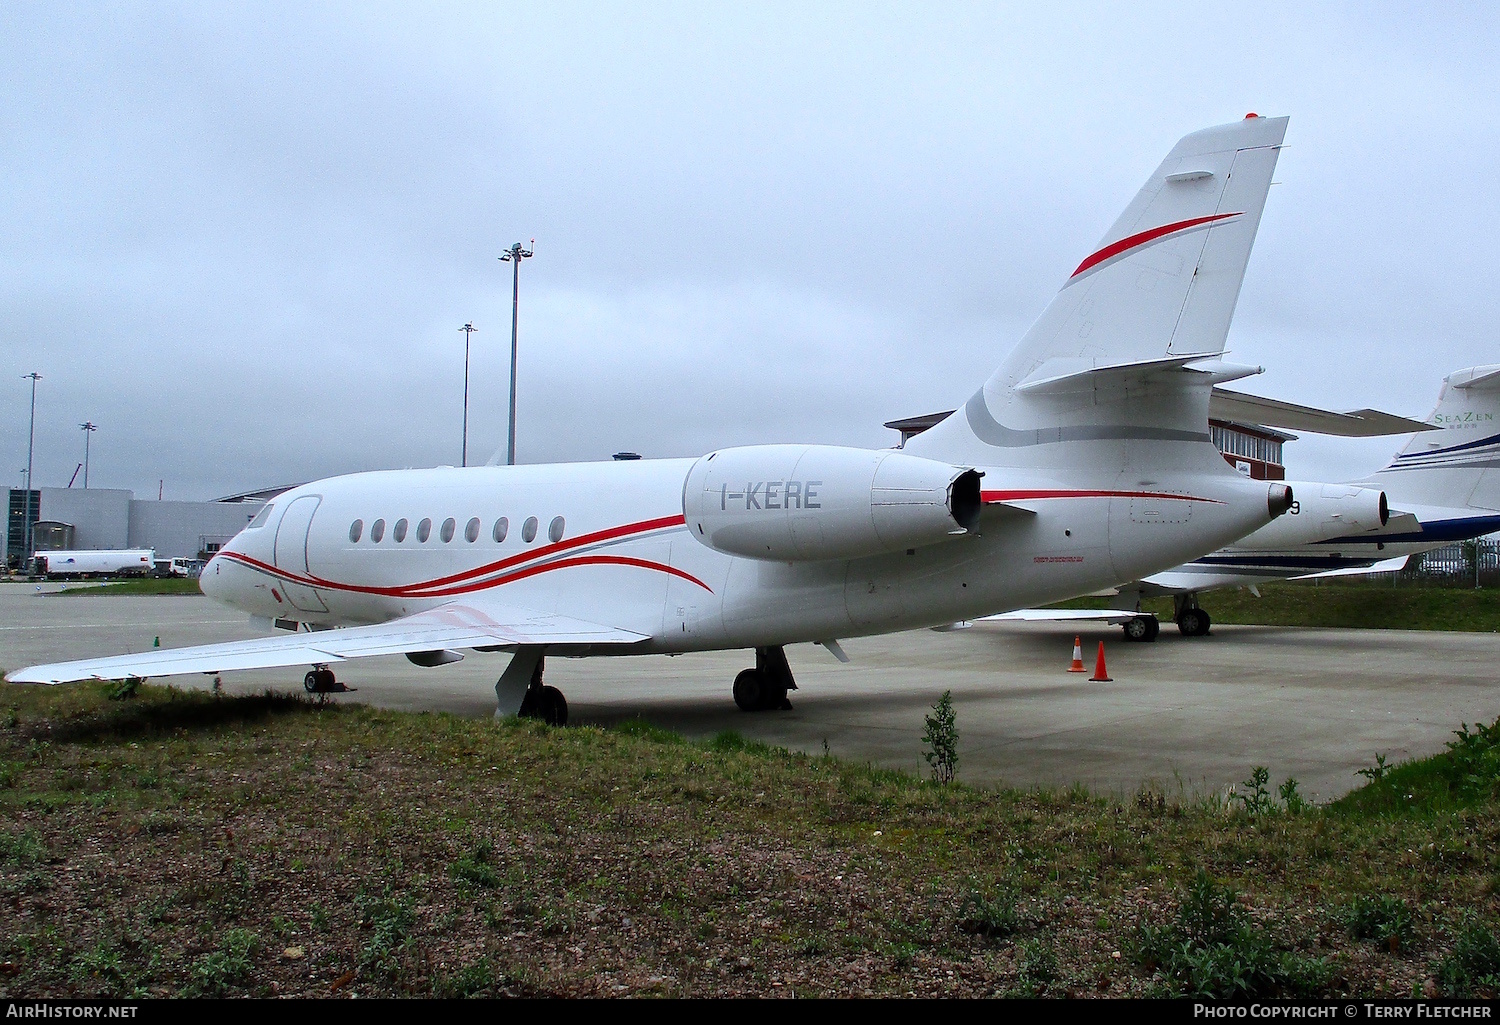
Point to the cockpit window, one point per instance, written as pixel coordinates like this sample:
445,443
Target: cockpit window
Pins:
261,517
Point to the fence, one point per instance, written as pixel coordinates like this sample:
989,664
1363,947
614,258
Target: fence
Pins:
1462,564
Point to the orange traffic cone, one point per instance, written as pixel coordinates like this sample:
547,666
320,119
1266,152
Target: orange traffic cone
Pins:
1101,675
1077,666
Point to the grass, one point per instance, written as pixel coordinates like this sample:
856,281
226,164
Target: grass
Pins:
135,585
1366,606
183,843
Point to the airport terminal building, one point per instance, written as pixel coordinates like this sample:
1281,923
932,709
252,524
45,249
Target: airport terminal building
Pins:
110,518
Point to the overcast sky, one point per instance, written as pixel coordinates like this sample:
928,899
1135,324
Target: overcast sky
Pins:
242,239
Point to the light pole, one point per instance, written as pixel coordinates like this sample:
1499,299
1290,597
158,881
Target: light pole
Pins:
514,255
467,329
88,430
30,450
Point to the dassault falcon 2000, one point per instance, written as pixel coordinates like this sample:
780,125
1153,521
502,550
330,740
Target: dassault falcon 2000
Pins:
1084,460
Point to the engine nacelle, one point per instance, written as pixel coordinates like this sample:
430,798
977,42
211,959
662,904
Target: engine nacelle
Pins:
802,503
1320,512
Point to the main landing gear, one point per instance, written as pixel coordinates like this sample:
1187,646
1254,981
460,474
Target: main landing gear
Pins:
1142,628
320,680
520,690
543,702
763,689
1191,620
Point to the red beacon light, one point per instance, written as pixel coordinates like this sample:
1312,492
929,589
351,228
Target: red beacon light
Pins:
1250,115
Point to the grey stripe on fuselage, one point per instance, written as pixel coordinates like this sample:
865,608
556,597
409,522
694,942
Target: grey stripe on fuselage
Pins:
990,431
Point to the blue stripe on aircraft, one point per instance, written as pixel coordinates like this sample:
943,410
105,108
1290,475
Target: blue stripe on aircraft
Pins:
1461,529
1492,439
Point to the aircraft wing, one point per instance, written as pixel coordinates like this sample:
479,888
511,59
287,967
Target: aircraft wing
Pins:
1384,566
1113,617
460,624
1356,423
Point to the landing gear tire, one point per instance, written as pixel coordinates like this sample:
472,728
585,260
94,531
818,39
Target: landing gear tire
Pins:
1194,623
546,704
1142,628
320,681
554,707
749,691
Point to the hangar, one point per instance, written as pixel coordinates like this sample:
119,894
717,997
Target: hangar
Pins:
107,518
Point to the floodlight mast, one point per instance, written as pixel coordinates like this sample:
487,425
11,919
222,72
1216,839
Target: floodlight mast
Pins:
468,330
34,377
88,428
514,255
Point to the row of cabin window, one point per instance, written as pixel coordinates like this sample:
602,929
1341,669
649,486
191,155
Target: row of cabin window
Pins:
450,526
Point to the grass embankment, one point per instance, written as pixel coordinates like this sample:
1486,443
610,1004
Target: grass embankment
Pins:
142,585
179,843
1350,606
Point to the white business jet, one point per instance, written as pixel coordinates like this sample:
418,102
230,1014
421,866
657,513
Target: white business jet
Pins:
1442,486
1083,461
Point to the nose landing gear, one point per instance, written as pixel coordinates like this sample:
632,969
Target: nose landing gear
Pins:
763,689
1142,628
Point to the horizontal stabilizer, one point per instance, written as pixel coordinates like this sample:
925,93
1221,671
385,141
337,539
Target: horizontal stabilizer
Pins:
467,624
1476,379
1357,423
1067,375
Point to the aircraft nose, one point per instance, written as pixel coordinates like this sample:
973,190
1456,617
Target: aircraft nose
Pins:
209,581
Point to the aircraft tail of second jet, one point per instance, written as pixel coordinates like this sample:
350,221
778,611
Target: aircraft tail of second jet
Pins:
1458,466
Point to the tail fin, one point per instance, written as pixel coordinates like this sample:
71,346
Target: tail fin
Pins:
1154,296
1460,465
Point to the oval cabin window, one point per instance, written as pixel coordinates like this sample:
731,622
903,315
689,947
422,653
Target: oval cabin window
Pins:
449,526
356,529
471,530
424,530
555,529
398,532
502,527
528,530
377,531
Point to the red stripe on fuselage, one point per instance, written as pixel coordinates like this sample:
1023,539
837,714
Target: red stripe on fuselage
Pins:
1032,495
1143,238
444,586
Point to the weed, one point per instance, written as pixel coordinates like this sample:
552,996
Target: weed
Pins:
812,946
318,917
1385,919
1294,801
991,915
124,690
213,974
941,738
101,962
476,868
1038,964
1212,951
470,981
390,921
1376,772
1476,760
1256,799
1474,965
1150,799
22,849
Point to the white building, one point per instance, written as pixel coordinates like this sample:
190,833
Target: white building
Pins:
102,518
